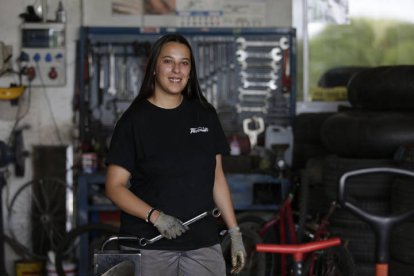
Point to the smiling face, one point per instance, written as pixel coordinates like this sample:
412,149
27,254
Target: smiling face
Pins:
172,70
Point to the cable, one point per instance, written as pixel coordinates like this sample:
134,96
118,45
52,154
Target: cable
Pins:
19,118
49,105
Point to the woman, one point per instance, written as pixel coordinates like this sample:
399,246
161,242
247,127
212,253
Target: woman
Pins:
165,167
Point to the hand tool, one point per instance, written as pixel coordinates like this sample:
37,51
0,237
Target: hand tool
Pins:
252,93
111,89
262,64
283,43
258,127
274,54
254,98
144,241
269,75
256,109
271,84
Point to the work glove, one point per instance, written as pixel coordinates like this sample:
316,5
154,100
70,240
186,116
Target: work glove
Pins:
238,253
169,226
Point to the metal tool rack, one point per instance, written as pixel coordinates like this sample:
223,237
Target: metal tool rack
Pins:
244,73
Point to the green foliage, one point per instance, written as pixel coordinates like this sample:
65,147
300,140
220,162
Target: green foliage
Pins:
364,42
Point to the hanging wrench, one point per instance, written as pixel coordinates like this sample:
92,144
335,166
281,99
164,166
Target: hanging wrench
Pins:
255,109
283,43
144,242
111,89
271,84
253,133
270,75
274,54
248,95
265,64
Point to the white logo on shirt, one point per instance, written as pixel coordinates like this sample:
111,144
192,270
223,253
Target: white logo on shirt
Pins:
198,129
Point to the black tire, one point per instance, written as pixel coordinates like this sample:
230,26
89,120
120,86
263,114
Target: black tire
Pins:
273,262
367,134
307,127
255,262
402,195
383,88
333,261
402,243
339,76
360,237
22,251
373,186
254,220
37,215
105,230
399,268
303,203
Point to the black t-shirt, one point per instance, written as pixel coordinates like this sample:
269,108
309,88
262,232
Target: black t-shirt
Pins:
170,154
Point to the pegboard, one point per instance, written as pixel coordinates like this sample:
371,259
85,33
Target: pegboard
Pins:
245,73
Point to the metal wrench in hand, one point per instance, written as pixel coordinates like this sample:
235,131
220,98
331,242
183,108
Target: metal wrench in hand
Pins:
143,241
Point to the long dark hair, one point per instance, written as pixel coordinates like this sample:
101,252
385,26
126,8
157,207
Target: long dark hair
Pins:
191,92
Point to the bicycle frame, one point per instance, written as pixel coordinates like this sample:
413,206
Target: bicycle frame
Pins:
283,220
288,246
298,250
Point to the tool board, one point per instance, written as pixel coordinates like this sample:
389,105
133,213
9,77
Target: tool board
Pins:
248,74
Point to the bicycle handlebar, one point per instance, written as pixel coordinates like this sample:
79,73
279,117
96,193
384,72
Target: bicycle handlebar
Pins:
298,250
382,225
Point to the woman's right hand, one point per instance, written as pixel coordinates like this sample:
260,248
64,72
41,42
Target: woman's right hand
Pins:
170,227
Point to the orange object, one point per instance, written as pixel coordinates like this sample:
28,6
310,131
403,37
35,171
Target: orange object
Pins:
381,270
298,250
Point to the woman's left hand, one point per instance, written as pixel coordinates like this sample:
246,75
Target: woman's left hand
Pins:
238,253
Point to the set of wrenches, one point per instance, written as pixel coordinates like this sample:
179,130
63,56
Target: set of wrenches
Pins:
259,62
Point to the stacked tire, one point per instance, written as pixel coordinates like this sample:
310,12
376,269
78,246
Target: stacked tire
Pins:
402,239
369,134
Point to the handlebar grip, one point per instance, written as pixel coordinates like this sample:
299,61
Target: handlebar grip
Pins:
345,176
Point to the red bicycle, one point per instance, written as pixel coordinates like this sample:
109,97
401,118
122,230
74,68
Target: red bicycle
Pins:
314,252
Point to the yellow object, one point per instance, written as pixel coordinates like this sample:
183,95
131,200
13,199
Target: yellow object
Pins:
11,93
338,93
32,268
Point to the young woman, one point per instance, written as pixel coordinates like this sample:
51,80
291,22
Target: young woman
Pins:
165,167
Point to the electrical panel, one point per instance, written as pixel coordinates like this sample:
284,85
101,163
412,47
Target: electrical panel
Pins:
43,54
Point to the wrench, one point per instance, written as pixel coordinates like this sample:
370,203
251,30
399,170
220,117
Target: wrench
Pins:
274,54
271,84
144,242
270,64
270,75
250,92
111,89
253,133
249,95
260,109
283,43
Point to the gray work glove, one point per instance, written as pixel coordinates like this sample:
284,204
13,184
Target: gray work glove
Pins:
169,227
238,253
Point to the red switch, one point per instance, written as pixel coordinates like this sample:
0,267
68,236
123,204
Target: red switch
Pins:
53,73
31,73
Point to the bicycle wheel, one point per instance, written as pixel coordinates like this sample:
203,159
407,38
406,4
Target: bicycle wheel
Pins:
38,215
100,231
334,261
255,262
